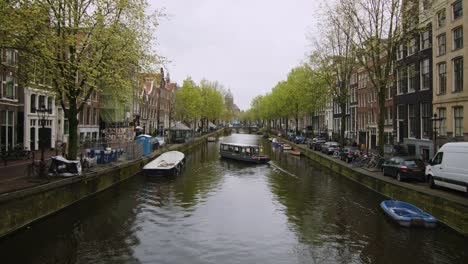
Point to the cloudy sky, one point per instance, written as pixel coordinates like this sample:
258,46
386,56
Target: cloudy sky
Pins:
246,45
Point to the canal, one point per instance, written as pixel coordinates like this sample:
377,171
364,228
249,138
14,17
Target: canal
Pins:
223,211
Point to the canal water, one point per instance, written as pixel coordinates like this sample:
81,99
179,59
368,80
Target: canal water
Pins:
223,211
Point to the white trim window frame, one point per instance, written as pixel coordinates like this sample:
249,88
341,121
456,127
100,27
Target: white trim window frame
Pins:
425,83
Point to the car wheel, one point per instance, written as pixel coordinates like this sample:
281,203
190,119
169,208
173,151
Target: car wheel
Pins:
431,182
398,176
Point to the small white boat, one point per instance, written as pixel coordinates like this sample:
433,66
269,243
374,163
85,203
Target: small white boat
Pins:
168,163
287,147
211,139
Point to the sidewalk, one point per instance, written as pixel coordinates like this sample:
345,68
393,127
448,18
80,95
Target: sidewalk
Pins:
13,176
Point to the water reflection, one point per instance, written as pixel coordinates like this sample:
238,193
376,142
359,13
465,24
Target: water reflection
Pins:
225,211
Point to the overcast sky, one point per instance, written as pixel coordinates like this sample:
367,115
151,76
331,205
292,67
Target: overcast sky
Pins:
246,45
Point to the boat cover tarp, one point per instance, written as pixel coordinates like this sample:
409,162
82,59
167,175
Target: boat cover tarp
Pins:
62,167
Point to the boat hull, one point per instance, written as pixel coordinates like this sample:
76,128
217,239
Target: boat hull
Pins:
407,215
253,159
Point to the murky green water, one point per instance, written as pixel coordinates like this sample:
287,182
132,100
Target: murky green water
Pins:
223,211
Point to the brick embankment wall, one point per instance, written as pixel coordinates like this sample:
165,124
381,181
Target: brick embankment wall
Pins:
21,208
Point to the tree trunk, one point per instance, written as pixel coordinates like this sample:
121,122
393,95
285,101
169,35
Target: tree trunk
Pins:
381,122
343,124
73,132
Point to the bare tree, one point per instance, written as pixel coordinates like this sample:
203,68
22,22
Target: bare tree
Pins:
376,27
336,57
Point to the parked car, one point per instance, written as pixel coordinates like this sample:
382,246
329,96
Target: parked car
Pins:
404,168
316,143
449,167
299,140
330,147
347,154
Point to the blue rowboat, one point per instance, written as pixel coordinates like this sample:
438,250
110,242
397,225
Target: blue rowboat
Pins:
406,214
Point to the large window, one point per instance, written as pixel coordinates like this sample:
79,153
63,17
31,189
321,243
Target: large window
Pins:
441,44
457,8
33,103
42,101
401,52
412,78
425,76
402,80
9,87
412,47
457,38
7,133
411,121
426,120
425,40
443,122
458,74
441,18
442,78
458,121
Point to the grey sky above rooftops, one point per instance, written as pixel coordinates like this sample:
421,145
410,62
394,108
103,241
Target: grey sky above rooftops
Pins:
246,45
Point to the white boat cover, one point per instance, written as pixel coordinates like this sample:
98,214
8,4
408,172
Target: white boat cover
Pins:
165,161
62,167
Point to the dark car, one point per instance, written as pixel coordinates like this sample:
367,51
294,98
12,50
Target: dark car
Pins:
330,147
347,154
299,140
403,168
316,143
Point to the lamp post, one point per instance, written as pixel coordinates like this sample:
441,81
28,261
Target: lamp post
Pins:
42,113
435,119
368,140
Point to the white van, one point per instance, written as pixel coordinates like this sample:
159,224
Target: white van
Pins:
449,167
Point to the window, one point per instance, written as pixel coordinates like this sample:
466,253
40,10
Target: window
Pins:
412,80
438,159
402,80
412,47
400,52
443,124
388,94
425,77
441,18
458,74
426,120
425,40
442,78
7,129
49,104
457,38
9,87
457,8
441,44
411,121
41,101
458,121
11,56
33,103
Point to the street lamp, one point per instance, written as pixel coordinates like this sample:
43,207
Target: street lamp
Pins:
436,119
42,113
368,140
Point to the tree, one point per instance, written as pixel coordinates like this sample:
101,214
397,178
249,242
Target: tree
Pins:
81,44
188,101
376,27
335,57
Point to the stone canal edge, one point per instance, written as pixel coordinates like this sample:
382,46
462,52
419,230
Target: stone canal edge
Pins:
21,208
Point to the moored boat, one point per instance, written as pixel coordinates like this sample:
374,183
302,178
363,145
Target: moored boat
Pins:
168,163
286,147
294,152
406,214
211,139
242,152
